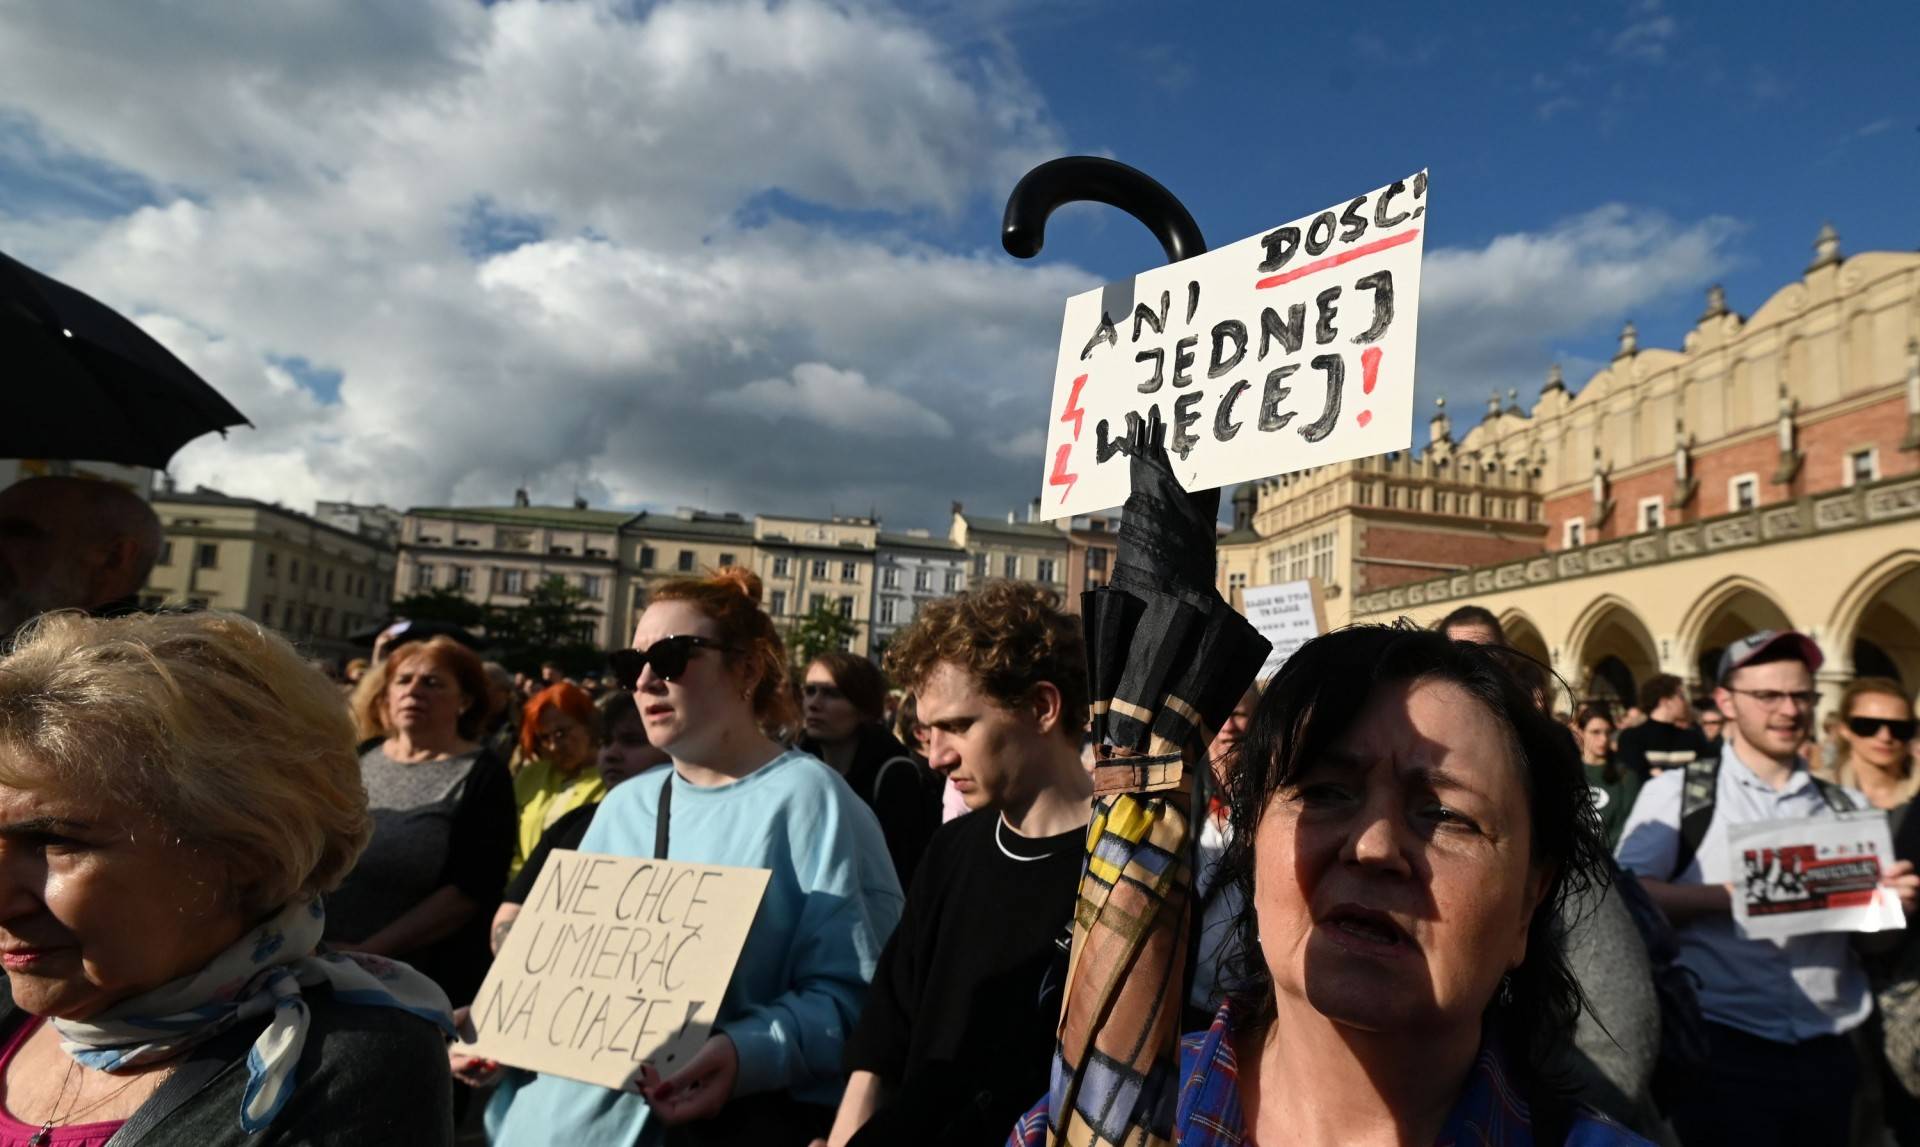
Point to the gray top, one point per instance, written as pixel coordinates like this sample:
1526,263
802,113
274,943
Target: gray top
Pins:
1783,990
413,807
1617,1040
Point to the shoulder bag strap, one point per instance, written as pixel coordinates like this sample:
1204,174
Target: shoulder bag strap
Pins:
1835,796
1698,791
205,1062
663,816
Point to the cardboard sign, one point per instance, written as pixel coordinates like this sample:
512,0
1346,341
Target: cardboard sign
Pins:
1286,350
615,961
1287,614
1797,877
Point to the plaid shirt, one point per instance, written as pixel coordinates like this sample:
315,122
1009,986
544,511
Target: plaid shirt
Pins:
1489,1112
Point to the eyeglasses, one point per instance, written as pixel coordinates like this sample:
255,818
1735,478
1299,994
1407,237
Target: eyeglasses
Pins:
668,656
812,690
1771,698
1871,726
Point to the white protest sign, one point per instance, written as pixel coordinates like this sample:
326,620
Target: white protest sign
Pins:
1798,877
615,961
1285,615
1289,349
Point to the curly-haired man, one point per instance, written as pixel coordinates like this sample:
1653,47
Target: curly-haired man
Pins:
959,1026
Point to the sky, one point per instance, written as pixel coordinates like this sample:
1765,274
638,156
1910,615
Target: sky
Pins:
744,255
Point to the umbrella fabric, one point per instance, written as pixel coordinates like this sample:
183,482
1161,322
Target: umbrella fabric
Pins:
1167,660
84,382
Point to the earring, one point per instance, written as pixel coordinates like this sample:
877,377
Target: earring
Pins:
1506,990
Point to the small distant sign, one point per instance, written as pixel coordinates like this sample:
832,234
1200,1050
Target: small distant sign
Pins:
1289,349
1287,614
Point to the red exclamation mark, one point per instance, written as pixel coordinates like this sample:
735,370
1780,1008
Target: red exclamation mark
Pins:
1369,374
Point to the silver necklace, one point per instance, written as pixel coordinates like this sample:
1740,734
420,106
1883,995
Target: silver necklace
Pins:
1000,823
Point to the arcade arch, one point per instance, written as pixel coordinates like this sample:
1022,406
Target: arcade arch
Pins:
1878,623
1724,614
1613,652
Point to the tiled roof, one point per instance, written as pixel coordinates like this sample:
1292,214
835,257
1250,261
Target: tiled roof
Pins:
565,517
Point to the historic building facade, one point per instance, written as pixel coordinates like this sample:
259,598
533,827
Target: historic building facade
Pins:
808,563
315,583
1013,549
910,570
1767,473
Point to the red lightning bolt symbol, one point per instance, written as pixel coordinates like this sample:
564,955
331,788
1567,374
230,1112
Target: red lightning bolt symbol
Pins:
1061,476
1073,413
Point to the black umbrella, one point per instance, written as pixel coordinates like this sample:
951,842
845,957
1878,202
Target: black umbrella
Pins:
83,382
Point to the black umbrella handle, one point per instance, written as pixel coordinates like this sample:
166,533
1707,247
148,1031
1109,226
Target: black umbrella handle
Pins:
1073,178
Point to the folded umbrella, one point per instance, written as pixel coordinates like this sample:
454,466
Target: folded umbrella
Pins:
83,382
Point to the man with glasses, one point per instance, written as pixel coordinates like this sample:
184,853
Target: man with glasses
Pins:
1780,1068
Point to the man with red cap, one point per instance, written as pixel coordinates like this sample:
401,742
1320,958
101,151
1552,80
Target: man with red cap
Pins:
1781,1069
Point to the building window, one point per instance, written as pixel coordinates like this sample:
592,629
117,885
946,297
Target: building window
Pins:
819,571
726,560
1652,513
849,571
326,620
953,581
1236,582
313,574
266,610
596,552
1863,466
422,577
513,581
890,578
1043,570
329,581
463,578
1743,492
639,598
1320,557
1573,534
306,620
1010,566
166,556
591,586
846,607
208,557
273,564
562,551
646,557
780,566
888,609
686,561
816,602
923,581
1096,560
980,566
777,605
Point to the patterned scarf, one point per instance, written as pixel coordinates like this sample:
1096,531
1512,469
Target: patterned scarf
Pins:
261,973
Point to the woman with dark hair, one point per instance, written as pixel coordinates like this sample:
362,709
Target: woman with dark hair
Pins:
1406,826
842,703
1613,787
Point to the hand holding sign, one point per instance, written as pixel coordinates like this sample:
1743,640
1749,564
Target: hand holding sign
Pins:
1280,352
615,968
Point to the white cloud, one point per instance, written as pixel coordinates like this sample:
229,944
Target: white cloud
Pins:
832,398
1648,36
1492,317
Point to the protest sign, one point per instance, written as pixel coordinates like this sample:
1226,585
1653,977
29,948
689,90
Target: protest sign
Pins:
1289,349
1287,614
615,961
1798,877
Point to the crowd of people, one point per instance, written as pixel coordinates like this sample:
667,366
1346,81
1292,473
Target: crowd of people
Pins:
1431,905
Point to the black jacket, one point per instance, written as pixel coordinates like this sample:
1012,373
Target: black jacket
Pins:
900,790
366,1076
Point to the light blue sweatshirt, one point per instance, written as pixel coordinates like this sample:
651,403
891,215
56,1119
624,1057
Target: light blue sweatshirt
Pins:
831,903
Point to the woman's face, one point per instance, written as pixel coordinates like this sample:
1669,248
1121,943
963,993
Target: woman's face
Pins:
1880,749
98,905
702,704
1596,738
564,743
1394,883
627,752
424,699
827,713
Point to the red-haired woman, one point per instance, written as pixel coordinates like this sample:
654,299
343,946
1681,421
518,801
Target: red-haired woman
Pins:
709,674
557,741
442,806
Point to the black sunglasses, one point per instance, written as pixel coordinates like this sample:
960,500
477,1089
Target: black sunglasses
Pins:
668,656
1871,726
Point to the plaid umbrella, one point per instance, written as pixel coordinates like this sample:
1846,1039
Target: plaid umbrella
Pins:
1168,660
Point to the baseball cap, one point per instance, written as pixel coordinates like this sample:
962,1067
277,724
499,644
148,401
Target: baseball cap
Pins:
1749,649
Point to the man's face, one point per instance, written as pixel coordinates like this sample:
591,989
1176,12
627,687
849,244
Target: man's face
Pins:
1674,710
1770,706
1226,742
1711,722
1472,632
994,755
47,561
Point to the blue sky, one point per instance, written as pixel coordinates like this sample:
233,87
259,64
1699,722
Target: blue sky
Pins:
745,254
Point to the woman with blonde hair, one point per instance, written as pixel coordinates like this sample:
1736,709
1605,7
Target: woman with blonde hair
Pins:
443,818
708,672
1875,726
176,794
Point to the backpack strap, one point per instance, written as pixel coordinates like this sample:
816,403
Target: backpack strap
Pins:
1697,794
880,775
1835,796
